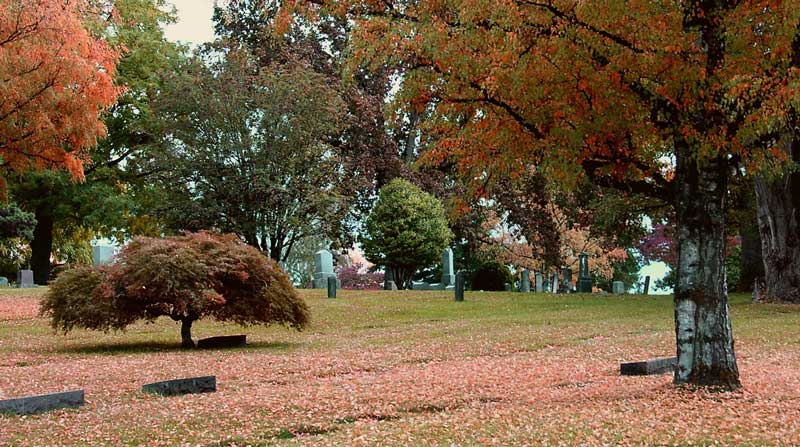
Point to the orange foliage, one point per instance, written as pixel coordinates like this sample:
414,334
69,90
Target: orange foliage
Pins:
56,80
509,247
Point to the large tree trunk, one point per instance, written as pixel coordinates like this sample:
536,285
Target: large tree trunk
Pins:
702,318
186,333
42,246
778,201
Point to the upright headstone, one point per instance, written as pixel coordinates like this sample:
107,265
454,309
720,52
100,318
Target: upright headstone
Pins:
331,287
566,280
388,280
3,281
554,282
539,282
448,277
618,288
459,289
525,281
646,284
102,255
323,269
25,279
546,286
584,277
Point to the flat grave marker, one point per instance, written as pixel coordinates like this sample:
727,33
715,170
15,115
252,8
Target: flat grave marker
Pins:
225,341
42,402
177,387
649,367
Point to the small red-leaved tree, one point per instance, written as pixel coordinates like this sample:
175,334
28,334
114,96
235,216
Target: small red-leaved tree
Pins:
185,278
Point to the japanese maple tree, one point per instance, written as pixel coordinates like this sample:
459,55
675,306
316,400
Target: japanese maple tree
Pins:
613,92
57,79
185,278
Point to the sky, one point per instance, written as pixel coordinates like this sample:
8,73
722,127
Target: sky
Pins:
194,22
194,26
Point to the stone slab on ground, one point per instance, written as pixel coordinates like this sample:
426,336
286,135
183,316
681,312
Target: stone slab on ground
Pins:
649,367
194,385
225,341
42,403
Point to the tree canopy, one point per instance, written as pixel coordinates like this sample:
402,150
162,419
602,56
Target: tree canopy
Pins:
58,78
407,229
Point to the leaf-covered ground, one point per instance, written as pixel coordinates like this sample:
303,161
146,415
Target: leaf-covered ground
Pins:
403,368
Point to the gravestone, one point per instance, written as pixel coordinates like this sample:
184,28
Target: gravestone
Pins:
177,387
649,367
448,277
646,284
618,288
459,288
102,255
546,286
226,341
331,287
388,280
525,281
25,279
566,280
584,277
539,282
323,269
420,285
3,281
41,403
554,282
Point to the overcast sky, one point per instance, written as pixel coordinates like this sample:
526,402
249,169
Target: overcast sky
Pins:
194,21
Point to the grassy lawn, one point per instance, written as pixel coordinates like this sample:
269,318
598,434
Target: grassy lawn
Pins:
406,368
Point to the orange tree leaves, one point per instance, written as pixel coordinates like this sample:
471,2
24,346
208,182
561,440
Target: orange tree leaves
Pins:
56,78
597,89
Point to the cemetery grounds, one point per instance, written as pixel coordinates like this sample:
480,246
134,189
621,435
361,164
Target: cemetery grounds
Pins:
406,368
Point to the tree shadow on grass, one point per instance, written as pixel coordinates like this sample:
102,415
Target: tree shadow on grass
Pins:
148,347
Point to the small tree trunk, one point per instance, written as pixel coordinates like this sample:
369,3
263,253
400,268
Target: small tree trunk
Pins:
778,201
702,318
42,246
186,333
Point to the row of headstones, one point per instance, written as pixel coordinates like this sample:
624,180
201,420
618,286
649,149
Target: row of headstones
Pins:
73,399
323,273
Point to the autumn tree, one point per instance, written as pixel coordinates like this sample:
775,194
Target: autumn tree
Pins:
112,199
507,243
185,278
57,79
248,152
607,92
407,229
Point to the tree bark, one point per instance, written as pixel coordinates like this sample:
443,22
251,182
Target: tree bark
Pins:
42,246
402,277
778,201
702,318
186,333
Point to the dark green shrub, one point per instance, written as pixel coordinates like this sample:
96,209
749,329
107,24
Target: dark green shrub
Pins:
491,276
